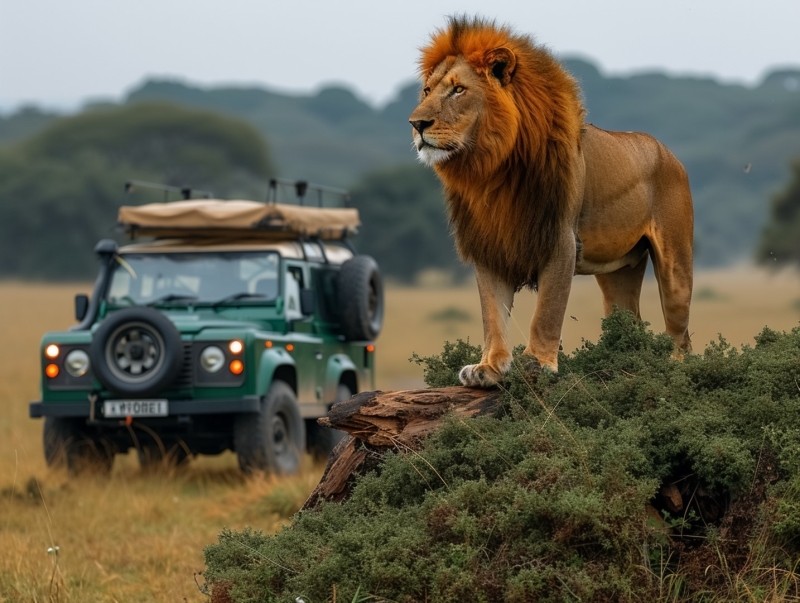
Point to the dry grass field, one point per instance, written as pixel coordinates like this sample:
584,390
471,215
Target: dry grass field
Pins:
139,537
736,303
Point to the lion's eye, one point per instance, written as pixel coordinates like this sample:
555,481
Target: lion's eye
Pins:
426,92
458,89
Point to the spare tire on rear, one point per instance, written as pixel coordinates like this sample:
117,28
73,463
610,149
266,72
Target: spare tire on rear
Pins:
360,298
136,352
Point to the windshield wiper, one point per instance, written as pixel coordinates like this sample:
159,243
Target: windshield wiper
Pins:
237,296
171,297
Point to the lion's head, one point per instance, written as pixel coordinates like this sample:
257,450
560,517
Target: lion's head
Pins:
487,90
452,115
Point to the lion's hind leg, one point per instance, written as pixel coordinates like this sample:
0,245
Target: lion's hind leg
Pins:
622,288
671,239
672,263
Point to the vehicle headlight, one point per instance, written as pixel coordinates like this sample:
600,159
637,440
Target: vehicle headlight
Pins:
212,359
77,363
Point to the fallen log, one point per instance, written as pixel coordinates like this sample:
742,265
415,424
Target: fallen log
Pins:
378,422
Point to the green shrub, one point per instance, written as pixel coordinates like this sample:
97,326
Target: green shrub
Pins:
548,500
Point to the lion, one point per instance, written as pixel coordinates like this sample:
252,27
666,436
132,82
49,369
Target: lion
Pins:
535,195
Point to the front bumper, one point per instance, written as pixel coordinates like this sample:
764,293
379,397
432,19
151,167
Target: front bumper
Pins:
176,407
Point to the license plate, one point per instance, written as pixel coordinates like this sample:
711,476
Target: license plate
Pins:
135,408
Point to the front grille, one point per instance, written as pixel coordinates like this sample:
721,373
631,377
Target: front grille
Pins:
186,376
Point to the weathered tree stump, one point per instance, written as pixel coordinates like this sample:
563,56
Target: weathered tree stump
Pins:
381,421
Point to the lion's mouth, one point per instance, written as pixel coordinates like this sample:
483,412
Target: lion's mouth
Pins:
424,144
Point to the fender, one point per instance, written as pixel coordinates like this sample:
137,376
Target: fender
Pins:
270,360
337,365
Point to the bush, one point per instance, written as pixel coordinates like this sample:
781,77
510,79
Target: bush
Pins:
555,498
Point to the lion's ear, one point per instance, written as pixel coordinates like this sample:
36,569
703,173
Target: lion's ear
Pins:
501,63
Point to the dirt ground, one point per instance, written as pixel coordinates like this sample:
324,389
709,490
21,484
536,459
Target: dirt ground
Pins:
139,537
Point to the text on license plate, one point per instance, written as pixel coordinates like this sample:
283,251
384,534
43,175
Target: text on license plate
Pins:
135,408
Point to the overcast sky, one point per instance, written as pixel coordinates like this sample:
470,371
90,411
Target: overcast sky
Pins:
61,52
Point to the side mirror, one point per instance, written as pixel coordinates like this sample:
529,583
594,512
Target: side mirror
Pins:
81,306
308,302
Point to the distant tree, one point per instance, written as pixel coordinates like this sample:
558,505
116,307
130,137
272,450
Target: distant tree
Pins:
187,146
404,223
337,105
60,190
780,240
26,121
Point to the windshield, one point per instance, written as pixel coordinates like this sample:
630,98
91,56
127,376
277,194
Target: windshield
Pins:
224,277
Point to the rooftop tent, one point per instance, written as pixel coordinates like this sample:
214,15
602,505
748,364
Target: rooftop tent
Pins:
212,217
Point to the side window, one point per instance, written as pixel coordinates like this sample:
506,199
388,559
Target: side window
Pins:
293,285
324,281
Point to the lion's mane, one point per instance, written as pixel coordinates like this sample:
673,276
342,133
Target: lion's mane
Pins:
507,209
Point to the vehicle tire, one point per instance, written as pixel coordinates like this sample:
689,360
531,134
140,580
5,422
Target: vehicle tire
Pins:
67,446
360,298
322,440
152,458
136,352
274,439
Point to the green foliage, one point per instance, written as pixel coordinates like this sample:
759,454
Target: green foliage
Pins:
780,240
547,500
156,136
735,142
442,370
331,137
60,190
25,122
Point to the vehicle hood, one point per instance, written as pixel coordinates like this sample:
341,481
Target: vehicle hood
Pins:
195,323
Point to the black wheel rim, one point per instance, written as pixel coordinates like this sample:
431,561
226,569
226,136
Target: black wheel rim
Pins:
135,352
281,444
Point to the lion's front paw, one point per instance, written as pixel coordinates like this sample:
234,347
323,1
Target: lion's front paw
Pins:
479,375
531,366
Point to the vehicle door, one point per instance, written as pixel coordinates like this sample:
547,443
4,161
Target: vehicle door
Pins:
307,344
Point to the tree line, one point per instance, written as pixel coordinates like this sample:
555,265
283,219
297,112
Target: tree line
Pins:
61,177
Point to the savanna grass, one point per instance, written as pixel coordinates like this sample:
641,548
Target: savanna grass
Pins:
556,497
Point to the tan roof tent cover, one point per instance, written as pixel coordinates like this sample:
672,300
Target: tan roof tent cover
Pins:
211,217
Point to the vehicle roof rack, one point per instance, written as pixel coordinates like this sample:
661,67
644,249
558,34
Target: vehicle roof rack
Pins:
186,192
301,190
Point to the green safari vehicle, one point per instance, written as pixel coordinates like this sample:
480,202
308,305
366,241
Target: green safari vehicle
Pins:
223,325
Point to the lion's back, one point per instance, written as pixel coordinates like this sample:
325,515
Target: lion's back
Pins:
617,162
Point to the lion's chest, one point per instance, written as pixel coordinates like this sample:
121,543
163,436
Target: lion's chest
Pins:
497,237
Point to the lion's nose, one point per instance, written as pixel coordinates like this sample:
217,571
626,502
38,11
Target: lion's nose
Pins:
421,124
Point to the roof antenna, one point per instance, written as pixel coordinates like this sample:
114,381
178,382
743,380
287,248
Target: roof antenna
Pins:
301,186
